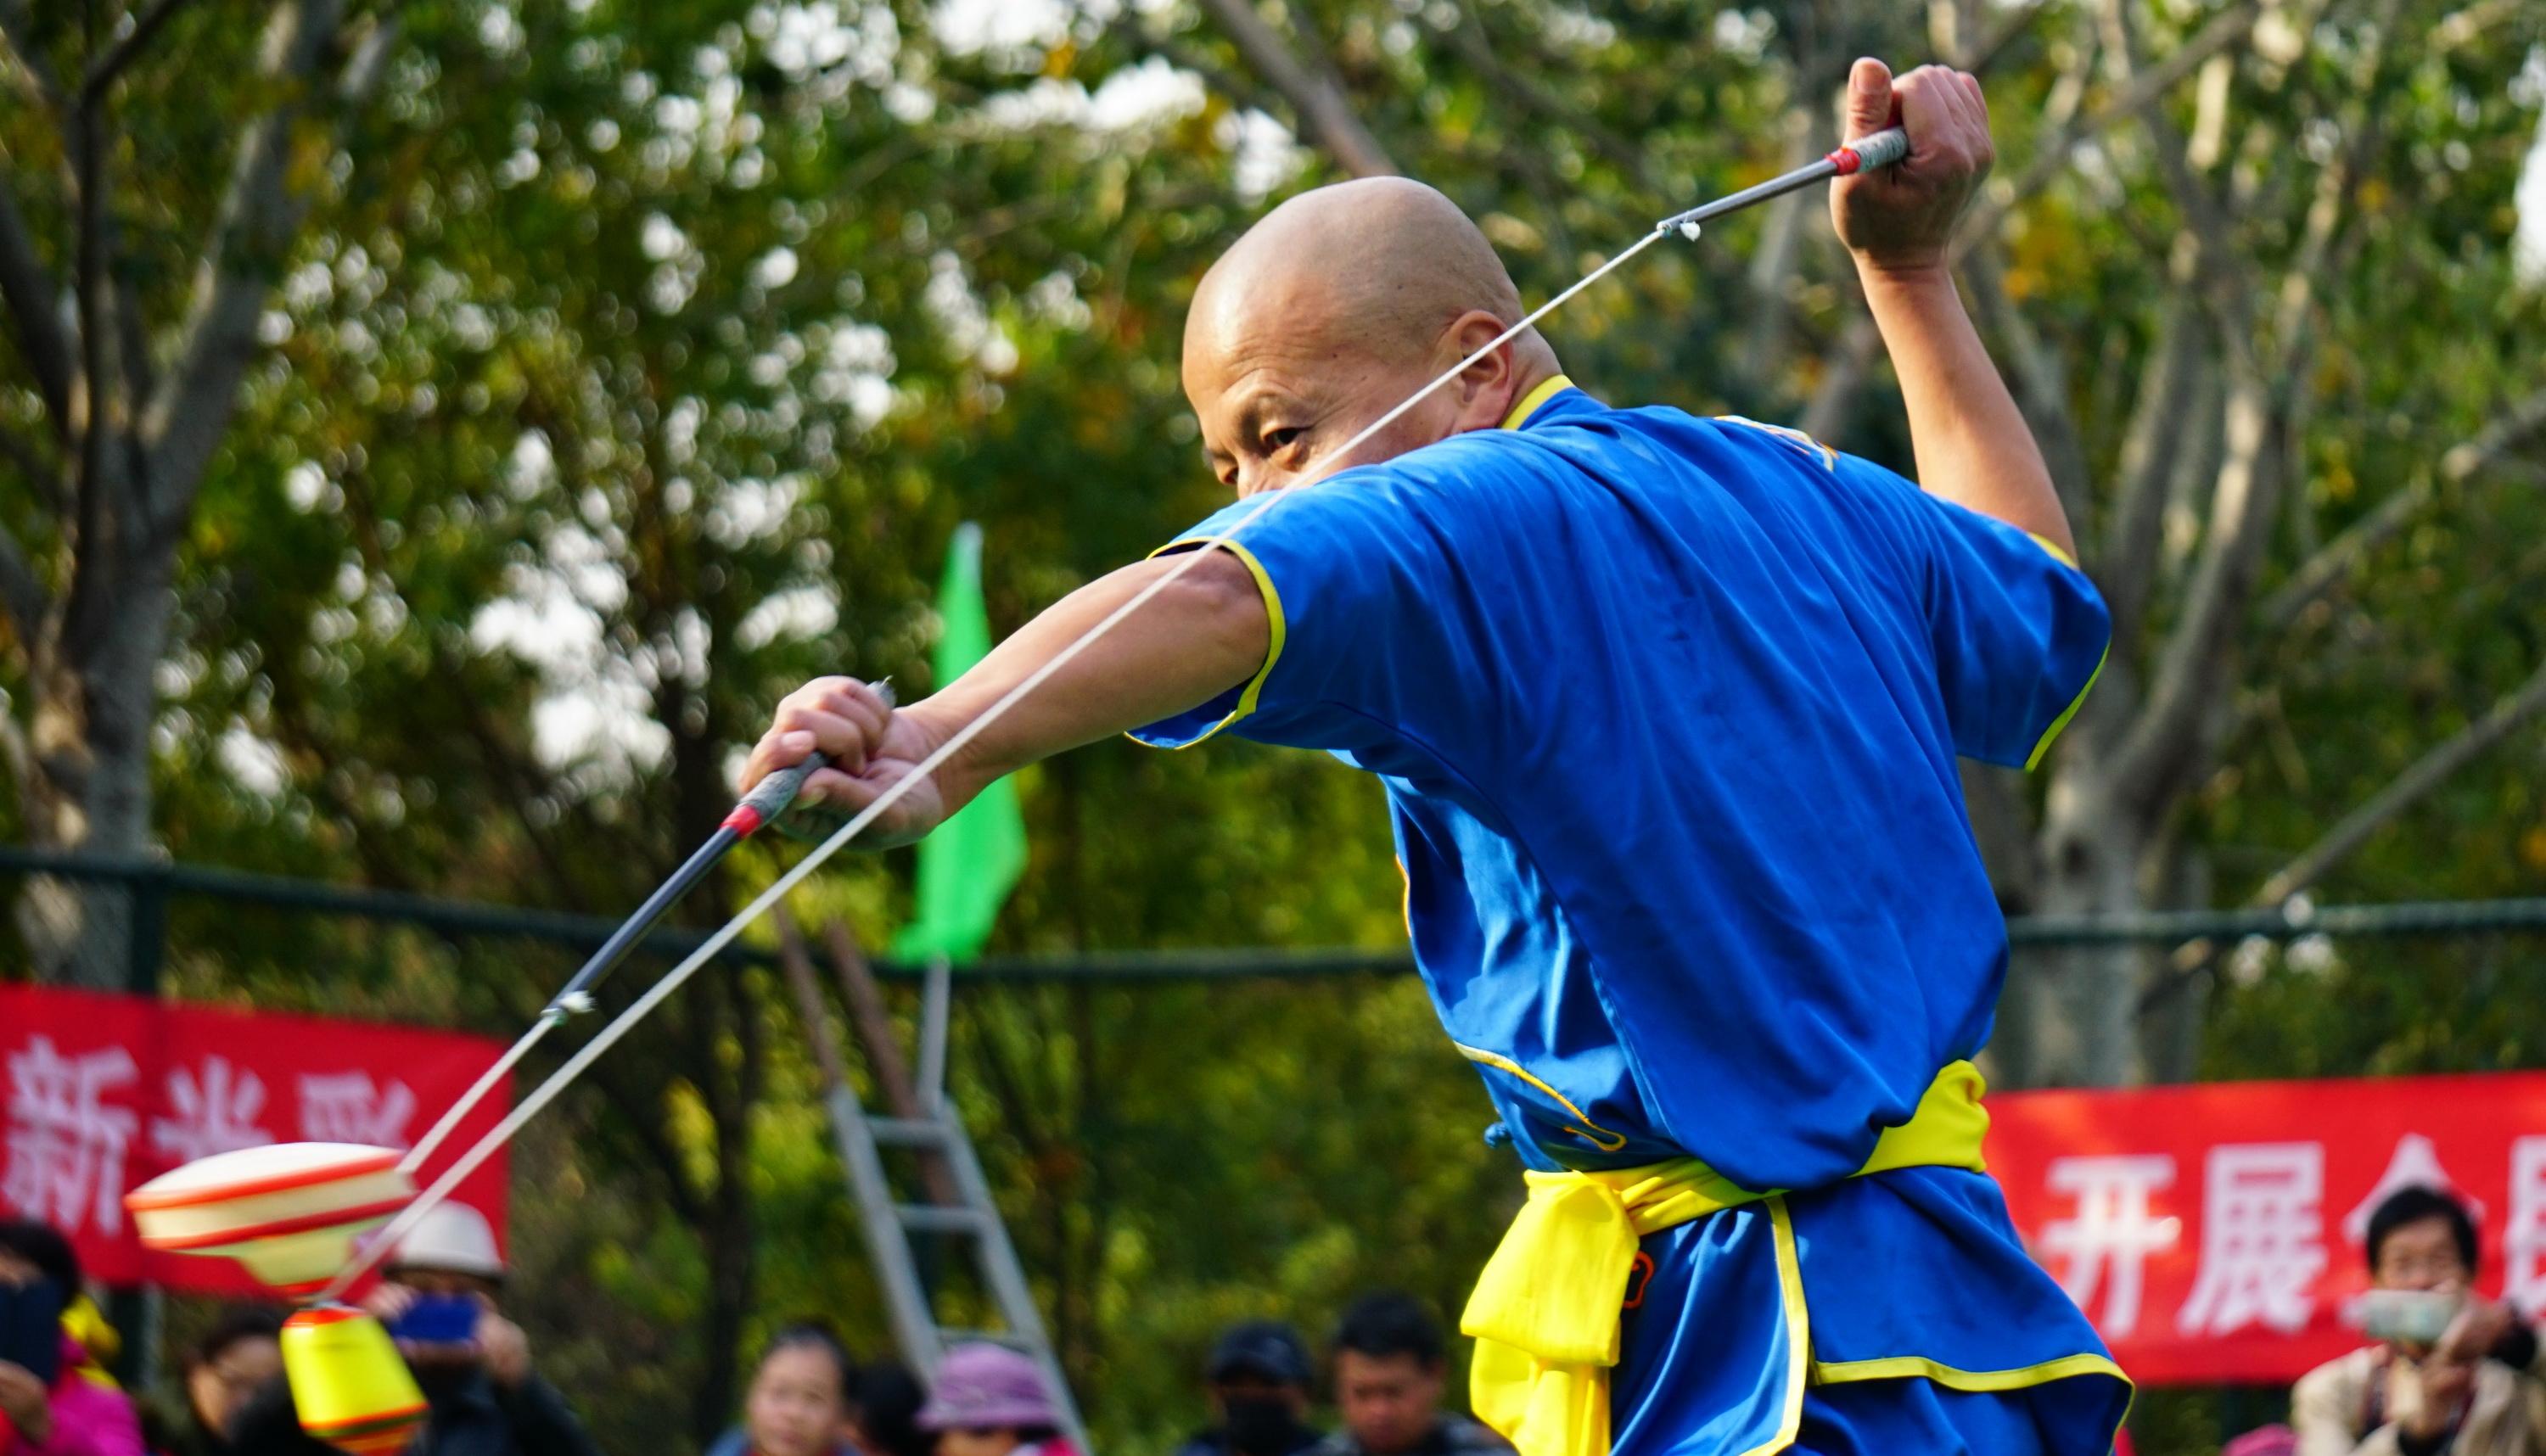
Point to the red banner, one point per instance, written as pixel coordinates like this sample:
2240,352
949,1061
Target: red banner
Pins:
104,1093
2214,1233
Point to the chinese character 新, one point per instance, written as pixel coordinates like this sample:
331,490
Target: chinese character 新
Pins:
66,1143
2262,1239
2108,1238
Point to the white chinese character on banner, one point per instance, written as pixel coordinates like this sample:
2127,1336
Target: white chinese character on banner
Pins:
2523,1234
216,1108
2416,1164
347,1107
2262,1239
2109,1238
66,1143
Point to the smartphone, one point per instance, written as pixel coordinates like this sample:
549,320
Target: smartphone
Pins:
438,1318
31,1329
2409,1315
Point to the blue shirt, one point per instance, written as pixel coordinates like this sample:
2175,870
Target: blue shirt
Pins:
1668,709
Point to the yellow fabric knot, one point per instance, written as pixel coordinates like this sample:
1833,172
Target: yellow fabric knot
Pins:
86,1324
1545,1311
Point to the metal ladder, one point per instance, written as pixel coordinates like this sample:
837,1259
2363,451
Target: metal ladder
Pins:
888,1222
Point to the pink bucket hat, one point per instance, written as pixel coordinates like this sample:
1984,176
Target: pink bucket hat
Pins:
986,1386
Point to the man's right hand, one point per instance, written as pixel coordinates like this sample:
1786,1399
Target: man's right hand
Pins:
1900,219
870,747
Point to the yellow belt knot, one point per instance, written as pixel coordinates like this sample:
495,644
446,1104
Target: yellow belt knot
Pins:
1545,1311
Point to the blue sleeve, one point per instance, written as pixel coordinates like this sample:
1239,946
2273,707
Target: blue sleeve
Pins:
1342,564
2018,632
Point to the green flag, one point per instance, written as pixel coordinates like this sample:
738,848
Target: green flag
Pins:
968,866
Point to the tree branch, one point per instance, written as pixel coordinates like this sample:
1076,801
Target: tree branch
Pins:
2143,89
2506,716
1466,35
17,29
1324,113
41,477
2319,574
2126,556
251,234
125,52
22,596
34,301
2196,654
1843,373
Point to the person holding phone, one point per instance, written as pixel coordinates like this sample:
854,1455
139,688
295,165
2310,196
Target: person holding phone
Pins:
2452,1371
49,1407
441,1297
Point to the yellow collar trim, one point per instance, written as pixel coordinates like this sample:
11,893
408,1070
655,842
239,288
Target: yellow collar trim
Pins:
1548,389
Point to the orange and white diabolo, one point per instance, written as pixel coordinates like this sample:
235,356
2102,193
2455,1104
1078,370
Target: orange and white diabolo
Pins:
292,1213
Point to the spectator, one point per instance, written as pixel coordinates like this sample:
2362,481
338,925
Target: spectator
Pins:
74,1409
1259,1390
484,1398
885,1418
992,1400
799,1402
1389,1365
239,1356
2471,1392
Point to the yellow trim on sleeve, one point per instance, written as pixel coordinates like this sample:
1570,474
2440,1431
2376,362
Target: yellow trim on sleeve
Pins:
1548,389
2043,745
1273,618
2053,547
1591,1132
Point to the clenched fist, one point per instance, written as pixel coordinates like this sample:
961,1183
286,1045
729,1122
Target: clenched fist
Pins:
870,747
1901,220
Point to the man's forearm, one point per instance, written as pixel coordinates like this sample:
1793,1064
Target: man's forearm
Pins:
1204,633
1973,445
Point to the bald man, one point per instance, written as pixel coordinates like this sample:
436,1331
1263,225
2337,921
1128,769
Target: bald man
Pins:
1666,709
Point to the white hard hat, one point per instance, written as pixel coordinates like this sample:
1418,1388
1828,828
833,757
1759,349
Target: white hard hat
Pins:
451,1239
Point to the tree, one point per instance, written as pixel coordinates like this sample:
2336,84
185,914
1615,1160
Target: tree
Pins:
130,341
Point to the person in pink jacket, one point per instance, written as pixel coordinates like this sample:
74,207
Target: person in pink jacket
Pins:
79,1413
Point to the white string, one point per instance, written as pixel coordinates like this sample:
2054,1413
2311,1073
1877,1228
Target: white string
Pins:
379,1247
513,1055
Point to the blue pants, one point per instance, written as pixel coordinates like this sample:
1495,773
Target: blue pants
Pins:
1920,1418
1812,1322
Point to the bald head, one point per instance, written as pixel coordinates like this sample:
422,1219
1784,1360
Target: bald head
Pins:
1335,307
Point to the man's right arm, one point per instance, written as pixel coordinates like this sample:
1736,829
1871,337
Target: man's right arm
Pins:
1199,635
1971,443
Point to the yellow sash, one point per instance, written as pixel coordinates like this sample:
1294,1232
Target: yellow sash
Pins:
1545,1311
